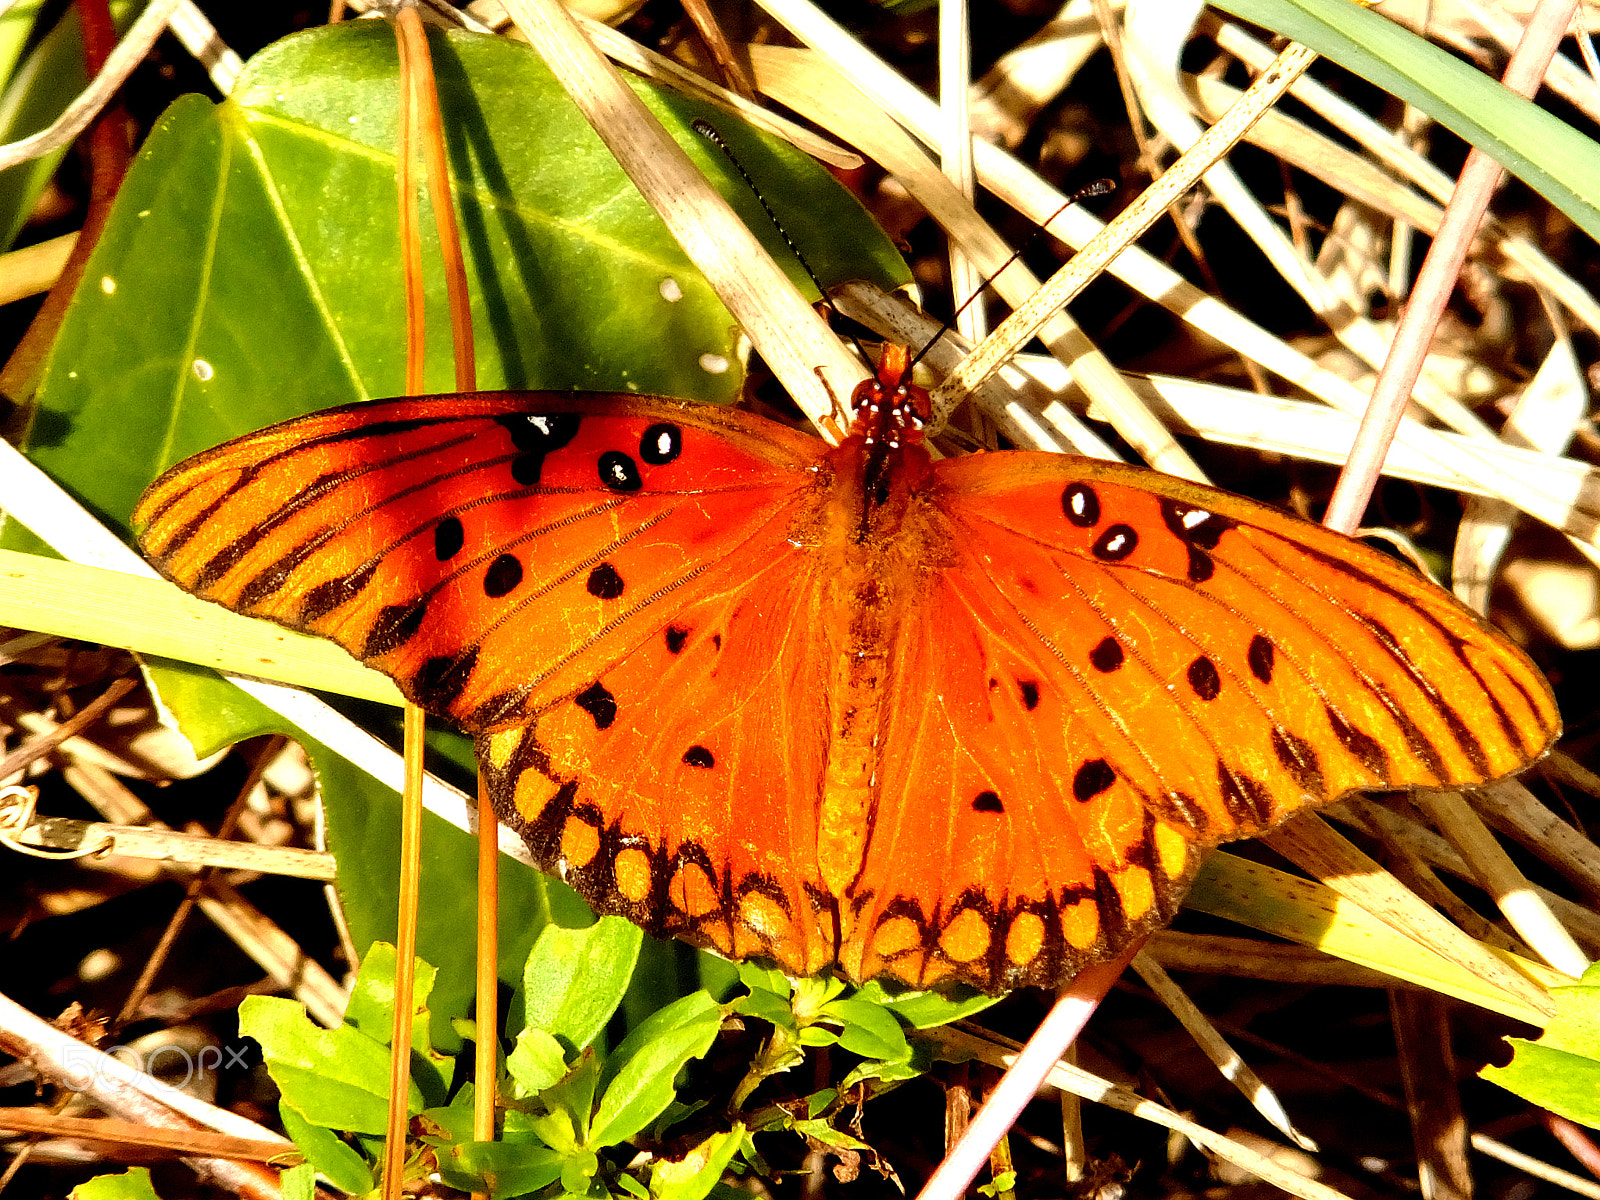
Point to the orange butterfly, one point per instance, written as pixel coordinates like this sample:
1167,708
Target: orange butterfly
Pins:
963,721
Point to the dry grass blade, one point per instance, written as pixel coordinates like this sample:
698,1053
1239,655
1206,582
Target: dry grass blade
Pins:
813,365
963,1041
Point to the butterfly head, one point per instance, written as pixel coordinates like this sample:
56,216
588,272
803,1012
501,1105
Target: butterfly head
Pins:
890,409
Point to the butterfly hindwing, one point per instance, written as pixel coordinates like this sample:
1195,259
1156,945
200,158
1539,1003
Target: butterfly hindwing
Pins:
681,788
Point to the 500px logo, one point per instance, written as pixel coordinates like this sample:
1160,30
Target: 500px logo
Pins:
166,1063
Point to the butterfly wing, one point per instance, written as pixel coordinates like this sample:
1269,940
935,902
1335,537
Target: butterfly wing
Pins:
1111,670
610,592
492,553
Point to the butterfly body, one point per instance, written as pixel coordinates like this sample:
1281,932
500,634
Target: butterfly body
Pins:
971,721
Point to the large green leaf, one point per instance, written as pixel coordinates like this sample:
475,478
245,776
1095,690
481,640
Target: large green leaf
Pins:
250,270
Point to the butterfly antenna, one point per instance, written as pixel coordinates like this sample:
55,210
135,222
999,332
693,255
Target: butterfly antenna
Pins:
709,131
1095,187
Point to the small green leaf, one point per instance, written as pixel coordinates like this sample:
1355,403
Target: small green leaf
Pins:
925,1010
829,1136
509,1167
535,1063
1004,1182
641,1085
133,1185
327,1152
694,1175
868,1030
578,1172
300,1182
371,1012
1561,1071
765,979
575,978
896,1071
570,1105
769,1007
337,1078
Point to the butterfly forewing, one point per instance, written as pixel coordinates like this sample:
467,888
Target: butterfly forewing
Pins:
493,554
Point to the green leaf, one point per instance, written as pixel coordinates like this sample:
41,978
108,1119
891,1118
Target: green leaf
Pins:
133,1185
766,979
645,1067
1552,157
766,1006
1561,1071
578,1172
36,93
300,1182
694,1175
575,978
569,1105
371,1012
263,232
327,1152
512,1166
535,1063
868,1030
828,1135
336,1078
925,1010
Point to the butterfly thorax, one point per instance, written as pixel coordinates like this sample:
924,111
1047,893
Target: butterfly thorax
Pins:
876,564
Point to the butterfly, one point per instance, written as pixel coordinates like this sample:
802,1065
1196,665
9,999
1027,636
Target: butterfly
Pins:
969,721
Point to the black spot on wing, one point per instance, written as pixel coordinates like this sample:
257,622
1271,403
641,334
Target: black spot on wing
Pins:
1116,543
676,636
448,539
1260,656
1246,800
660,444
1299,758
699,756
537,435
396,625
1030,693
599,703
619,472
987,801
442,679
604,583
331,593
1092,778
1201,566
1366,749
1198,527
502,577
1107,656
1203,678
1081,505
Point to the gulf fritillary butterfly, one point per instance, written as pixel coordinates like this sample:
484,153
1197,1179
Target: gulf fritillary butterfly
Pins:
969,721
